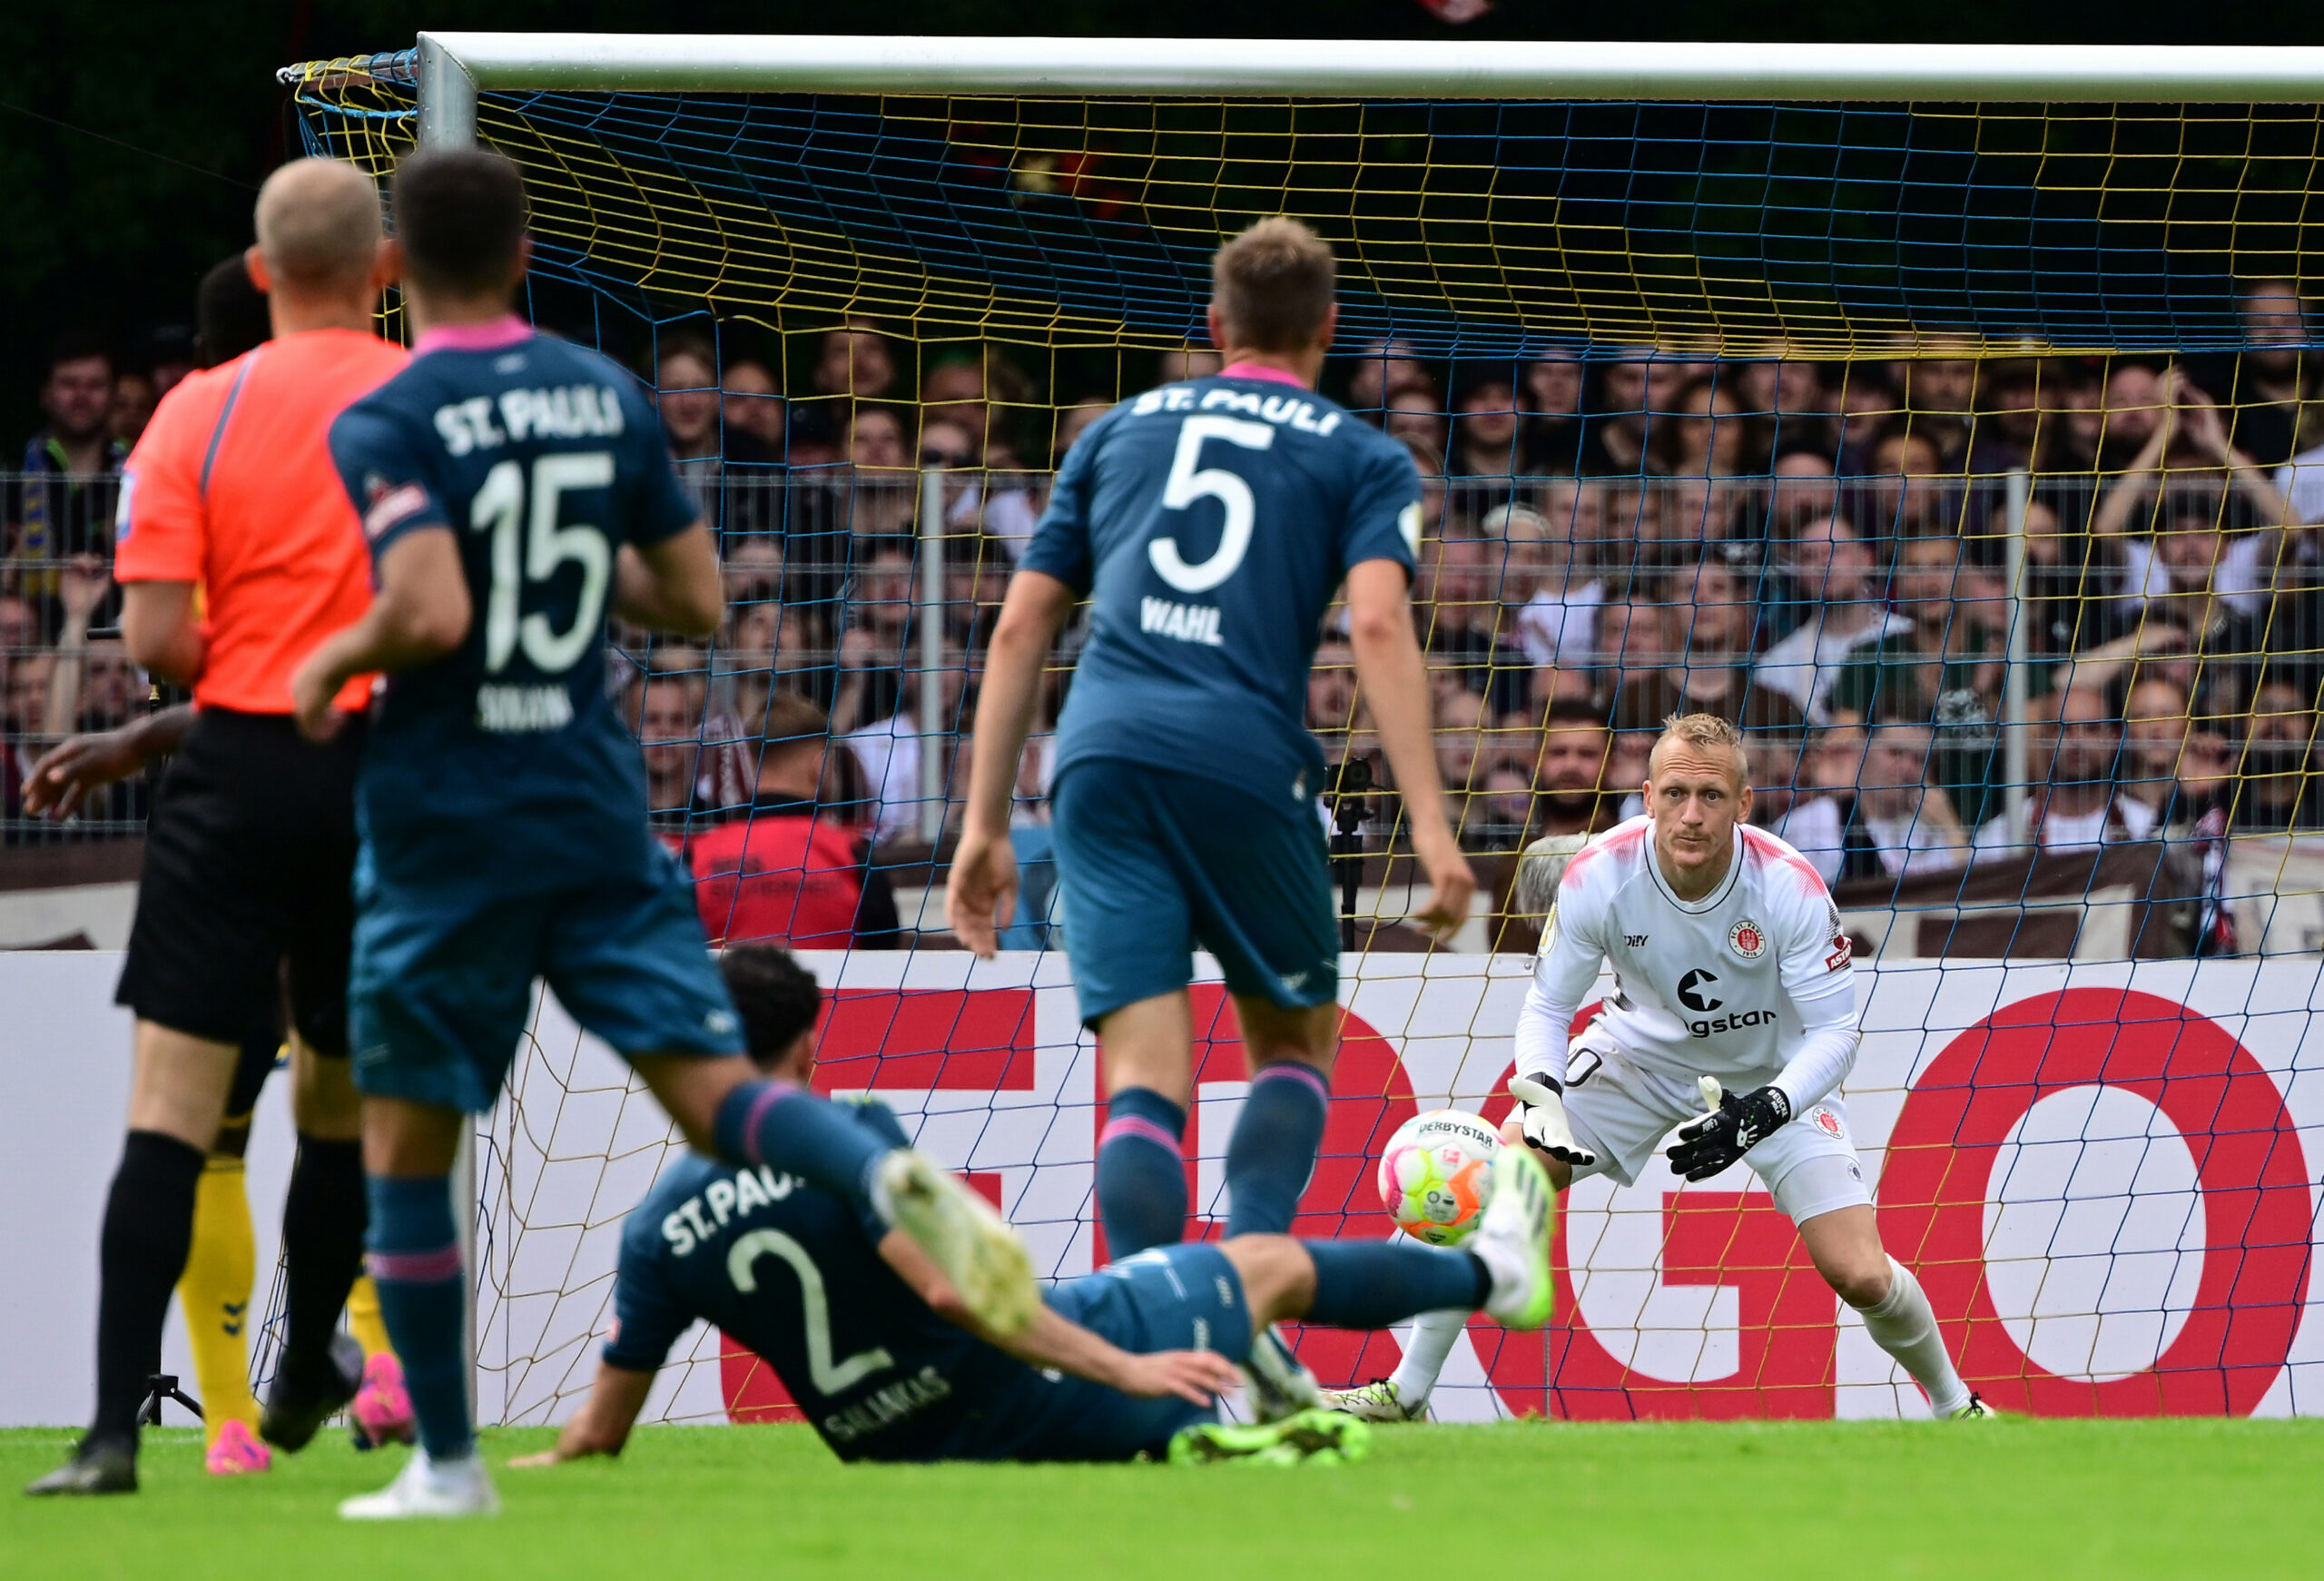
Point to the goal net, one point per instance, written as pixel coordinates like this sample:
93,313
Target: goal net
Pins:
1958,447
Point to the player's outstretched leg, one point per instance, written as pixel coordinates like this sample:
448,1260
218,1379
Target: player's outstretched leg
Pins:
760,1120
1402,1396
1370,1284
1844,1245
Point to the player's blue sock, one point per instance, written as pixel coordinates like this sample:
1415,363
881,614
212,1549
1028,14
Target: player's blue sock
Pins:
416,1263
1273,1150
1370,1284
799,1133
1142,1172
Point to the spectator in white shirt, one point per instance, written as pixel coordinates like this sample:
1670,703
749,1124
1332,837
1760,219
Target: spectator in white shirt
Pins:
1835,571
2074,806
889,750
1894,823
1560,594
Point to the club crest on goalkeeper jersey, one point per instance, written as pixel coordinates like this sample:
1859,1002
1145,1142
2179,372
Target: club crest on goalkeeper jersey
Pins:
1210,523
1728,985
503,768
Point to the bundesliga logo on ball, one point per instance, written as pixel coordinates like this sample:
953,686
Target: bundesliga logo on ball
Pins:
1435,1177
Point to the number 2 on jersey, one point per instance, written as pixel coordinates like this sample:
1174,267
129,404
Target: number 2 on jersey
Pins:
547,549
1185,485
828,1379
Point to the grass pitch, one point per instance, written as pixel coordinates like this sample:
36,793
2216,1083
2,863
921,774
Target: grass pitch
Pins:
2177,1498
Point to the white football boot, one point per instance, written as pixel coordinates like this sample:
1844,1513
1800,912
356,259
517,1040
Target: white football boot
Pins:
973,1245
428,1490
1377,1401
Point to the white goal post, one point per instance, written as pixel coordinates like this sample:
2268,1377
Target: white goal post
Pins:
454,66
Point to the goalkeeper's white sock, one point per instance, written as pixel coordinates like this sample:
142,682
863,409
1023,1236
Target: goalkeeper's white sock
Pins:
1904,1325
1432,1337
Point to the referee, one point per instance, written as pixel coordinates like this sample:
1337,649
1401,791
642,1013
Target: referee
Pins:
238,552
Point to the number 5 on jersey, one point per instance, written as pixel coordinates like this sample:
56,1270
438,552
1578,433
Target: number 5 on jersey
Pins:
547,549
1187,485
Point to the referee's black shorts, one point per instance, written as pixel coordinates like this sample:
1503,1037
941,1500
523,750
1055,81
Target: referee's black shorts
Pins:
246,897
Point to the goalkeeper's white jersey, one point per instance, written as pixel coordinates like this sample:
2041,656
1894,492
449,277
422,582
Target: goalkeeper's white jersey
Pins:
1735,985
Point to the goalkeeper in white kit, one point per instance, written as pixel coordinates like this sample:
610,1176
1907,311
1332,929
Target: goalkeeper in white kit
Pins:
1733,1018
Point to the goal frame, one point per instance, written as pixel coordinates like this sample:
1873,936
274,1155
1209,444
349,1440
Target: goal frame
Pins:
454,67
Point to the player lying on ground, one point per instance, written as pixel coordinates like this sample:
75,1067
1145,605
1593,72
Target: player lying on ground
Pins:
1729,964
870,1341
1211,524
513,489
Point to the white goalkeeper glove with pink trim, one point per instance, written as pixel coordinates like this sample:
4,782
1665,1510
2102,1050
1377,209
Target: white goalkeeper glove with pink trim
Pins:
1541,1116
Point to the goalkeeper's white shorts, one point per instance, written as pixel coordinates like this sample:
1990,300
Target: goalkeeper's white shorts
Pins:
1624,1113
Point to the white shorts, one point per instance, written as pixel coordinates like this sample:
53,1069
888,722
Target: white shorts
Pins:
1622,1113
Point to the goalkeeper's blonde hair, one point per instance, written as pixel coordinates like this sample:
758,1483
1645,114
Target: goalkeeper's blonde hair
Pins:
1706,733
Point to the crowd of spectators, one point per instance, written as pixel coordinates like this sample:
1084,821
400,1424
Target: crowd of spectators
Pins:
1815,548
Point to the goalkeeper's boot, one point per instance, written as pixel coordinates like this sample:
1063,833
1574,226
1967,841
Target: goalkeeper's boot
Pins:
1323,1437
1276,1386
97,1467
428,1490
973,1245
1514,1240
1976,1410
302,1398
1377,1401
380,1412
236,1452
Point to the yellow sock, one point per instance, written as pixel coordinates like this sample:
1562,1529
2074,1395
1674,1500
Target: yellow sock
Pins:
216,1291
363,1320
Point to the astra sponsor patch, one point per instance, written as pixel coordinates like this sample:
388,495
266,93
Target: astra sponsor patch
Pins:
386,504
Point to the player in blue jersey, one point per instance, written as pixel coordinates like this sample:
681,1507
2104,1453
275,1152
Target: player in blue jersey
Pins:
1210,524
514,488
887,1367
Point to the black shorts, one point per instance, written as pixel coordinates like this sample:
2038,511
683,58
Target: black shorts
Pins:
246,899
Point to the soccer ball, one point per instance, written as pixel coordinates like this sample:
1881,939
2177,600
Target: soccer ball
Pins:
1436,1176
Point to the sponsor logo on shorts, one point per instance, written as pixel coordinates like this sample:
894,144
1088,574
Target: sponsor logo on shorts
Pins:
1747,941
1825,1121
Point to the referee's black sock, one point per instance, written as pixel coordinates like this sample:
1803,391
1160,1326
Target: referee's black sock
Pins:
323,1216
148,1229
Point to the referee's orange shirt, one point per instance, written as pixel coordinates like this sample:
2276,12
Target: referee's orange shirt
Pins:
232,487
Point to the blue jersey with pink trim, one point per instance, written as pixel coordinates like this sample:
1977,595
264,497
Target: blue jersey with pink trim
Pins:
792,1274
503,768
1210,523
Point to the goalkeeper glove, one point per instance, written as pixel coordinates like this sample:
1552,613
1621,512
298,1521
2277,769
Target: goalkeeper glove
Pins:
1733,1127
1541,1115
